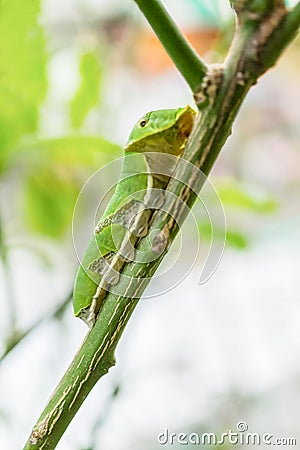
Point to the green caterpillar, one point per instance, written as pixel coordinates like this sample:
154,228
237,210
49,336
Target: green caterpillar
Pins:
126,217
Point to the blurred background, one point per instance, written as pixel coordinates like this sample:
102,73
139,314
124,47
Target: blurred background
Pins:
75,76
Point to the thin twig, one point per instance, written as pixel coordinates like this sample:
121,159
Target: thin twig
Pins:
189,64
15,338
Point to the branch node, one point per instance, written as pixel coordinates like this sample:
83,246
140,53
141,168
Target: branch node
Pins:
209,86
256,10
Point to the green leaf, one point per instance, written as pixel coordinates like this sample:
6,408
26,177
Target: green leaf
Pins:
239,195
234,238
87,151
23,71
88,94
49,200
57,169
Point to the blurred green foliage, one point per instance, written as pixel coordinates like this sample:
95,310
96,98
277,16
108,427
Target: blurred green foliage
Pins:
241,196
54,180
23,72
49,199
52,171
236,196
234,238
88,94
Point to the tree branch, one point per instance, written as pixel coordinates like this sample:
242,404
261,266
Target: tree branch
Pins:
281,37
220,95
17,336
189,64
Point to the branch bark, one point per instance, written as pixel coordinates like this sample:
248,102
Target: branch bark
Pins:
261,35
